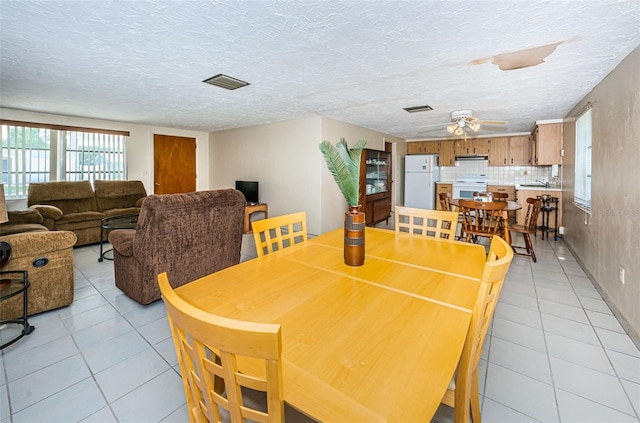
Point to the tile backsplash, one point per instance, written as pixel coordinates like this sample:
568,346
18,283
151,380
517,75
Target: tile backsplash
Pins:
499,175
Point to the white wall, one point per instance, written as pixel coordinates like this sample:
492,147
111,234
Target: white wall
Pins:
139,145
609,238
284,157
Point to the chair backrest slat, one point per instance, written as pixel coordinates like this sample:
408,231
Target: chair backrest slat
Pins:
433,223
279,232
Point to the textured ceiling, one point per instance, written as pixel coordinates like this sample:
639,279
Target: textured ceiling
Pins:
360,62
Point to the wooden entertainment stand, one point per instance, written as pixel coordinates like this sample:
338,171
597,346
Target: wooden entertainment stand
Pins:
249,209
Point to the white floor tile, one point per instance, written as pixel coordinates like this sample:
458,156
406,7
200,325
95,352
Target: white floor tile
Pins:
604,321
575,409
591,384
570,329
587,355
595,305
627,367
617,341
153,401
493,412
517,314
520,359
131,373
633,392
39,385
40,357
70,405
518,334
529,396
104,415
103,356
576,314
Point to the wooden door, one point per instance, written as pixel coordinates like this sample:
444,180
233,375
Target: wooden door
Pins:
174,164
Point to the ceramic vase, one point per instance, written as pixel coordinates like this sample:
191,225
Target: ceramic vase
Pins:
354,224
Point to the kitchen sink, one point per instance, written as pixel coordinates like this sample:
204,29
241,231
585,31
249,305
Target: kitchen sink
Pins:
532,185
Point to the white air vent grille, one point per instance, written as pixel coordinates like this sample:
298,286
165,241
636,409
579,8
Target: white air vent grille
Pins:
226,82
417,109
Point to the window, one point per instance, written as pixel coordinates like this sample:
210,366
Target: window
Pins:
582,194
42,153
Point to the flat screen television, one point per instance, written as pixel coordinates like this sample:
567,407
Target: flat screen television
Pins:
250,191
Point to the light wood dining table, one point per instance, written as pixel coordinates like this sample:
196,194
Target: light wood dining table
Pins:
511,206
378,342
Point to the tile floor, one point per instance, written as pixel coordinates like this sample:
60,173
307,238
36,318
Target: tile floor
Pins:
555,353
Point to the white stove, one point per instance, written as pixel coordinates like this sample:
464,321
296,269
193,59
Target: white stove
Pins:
468,183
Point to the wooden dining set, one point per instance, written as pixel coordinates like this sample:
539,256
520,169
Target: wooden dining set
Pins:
296,332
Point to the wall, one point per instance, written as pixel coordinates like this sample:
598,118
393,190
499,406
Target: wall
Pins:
139,146
284,157
607,239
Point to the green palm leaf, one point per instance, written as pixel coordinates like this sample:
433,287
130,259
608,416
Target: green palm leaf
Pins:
344,165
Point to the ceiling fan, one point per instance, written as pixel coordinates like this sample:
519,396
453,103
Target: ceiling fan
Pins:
463,122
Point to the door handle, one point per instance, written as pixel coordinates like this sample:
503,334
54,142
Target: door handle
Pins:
156,184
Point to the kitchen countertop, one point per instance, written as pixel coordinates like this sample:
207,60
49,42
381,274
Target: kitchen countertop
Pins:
532,187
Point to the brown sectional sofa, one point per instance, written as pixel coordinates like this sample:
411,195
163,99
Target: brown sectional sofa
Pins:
75,206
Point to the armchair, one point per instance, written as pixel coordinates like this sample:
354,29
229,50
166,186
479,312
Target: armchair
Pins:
47,256
186,235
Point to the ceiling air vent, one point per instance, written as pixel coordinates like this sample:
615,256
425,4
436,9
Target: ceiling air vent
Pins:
418,109
226,82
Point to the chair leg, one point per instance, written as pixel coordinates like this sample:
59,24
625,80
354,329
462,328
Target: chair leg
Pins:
527,240
475,399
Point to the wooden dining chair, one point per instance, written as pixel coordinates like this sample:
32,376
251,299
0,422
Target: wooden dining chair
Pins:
445,204
279,232
433,223
445,201
462,394
534,205
208,348
481,218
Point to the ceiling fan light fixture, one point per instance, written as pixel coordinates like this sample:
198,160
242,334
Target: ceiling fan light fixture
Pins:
475,127
451,128
459,131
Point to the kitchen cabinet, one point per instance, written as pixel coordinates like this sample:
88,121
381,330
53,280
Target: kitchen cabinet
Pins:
546,148
442,187
472,146
423,147
520,150
447,153
499,151
510,190
522,196
375,185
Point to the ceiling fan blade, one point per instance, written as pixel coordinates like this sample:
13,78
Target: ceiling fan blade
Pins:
494,128
492,122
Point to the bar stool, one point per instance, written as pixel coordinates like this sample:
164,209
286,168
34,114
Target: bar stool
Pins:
549,205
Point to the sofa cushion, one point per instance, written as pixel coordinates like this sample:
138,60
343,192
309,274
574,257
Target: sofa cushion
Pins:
18,228
118,194
24,216
68,196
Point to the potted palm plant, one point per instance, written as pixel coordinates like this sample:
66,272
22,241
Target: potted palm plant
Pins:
344,165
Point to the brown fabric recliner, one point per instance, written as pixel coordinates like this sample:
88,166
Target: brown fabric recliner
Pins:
186,235
51,283
115,198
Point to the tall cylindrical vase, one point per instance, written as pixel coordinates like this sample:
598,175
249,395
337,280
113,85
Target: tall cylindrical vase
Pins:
354,224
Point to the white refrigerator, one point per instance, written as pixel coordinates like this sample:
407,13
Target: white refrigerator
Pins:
420,176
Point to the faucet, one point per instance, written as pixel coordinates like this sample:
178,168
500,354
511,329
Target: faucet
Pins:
546,184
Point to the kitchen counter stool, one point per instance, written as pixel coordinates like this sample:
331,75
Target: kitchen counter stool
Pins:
549,205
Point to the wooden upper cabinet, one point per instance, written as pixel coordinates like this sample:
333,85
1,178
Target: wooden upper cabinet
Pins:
520,150
547,144
447,153
499,151
423,147
472,146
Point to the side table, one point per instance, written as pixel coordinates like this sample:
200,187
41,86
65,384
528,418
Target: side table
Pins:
249,209
13,283
127,221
